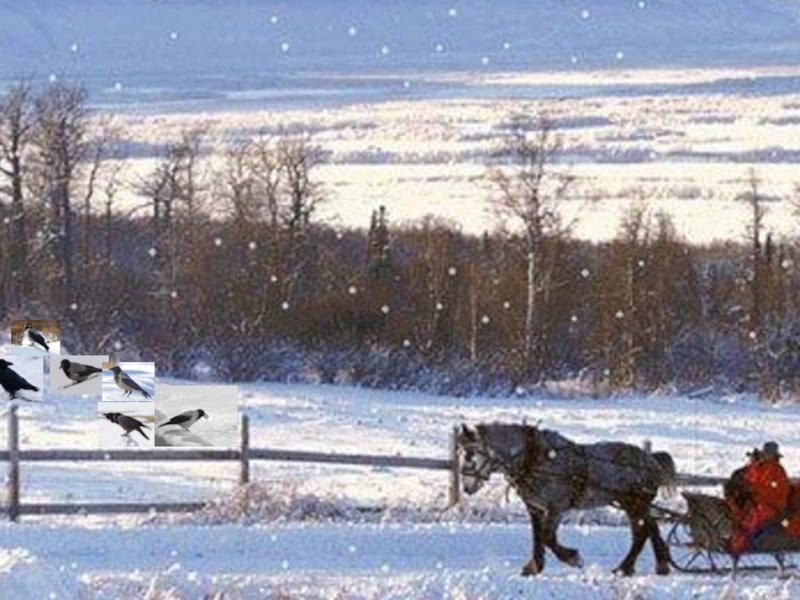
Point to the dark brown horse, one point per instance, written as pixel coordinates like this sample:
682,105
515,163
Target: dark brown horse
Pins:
553,475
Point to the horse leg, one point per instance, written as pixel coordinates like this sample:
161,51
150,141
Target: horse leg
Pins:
569,556
639,535
536,564
660,548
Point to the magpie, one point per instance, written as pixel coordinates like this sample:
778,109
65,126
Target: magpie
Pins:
186,419
35,336
127,423
124,382
12,382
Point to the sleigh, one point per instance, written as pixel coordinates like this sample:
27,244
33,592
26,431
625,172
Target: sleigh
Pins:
698,540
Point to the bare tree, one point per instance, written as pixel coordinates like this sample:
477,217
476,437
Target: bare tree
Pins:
16,124
755,232
529,187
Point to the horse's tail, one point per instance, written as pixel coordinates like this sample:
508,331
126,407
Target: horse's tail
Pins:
669,474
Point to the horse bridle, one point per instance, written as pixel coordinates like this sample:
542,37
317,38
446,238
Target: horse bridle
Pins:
491,465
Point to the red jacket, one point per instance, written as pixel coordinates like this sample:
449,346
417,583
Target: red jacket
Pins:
769,483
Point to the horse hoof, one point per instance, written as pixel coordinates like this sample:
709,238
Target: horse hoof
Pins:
574,560
662,569
623,572
531,569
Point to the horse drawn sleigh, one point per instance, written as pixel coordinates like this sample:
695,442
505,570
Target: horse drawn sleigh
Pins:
553,475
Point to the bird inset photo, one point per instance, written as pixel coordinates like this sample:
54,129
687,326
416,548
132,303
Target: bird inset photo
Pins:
129,381
21,378
197,415
125,424
35,337
77,375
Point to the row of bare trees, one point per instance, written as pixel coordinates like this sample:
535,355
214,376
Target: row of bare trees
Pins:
222,262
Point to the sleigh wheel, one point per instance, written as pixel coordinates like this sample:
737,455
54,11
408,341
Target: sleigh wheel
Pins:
687,556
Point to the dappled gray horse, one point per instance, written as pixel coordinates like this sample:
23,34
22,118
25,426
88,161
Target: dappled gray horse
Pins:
552,475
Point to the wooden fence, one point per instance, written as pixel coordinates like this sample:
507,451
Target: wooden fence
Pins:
244,454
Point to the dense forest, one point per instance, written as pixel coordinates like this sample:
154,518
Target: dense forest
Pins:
227,271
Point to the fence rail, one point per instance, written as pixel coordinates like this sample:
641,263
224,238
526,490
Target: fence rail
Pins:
244,455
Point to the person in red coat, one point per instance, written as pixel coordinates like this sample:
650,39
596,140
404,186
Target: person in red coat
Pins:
769,487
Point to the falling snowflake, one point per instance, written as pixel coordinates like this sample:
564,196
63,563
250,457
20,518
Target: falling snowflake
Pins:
73,306
585,14
406,343
585,273
74,47
573,60
274,19
352,290
117,345
284,305
352,32
506,45
273,278
53,78
506,304
285,47
152,252
118,86
252,245
285,565
351,549
485,319
385,50
440,47
6,221
406,84
452,271
217,242
453,12
174,294
385,309
485,60
752,335
619,314
173,36
574,318
641,263
642,5
439,306
620,55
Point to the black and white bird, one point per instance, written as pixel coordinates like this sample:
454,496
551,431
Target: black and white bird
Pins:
124,382
78,372
127,423
186,419
12,381
35,336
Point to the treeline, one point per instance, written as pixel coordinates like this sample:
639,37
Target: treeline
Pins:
223,269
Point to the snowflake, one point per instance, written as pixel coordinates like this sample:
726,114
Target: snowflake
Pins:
6,221
352,32
74,47
585,273
285,47
574,60
641,263
152,252
118,86
273,279
453,12
485,60
252,245
53,78
506,45
452,271
485,320
284,305
73,306
406,84
406,343
174,294
752,335
117,345
585,14
274,19
619,314
642,5
620,55
385,309
574,318
173,36
507,305
285,565
217,242
440,47
385,50
352,290
439,306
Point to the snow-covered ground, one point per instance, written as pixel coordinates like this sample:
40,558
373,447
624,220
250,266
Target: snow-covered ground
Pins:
30,350
411,548
220,403
61,384
143,373
111,435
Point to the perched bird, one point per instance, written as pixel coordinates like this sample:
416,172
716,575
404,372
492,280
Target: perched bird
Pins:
76,371
186,419
11,381
127,423
123,381
35,336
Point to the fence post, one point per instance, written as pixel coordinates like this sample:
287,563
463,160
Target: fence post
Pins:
13,463
244,449
455,469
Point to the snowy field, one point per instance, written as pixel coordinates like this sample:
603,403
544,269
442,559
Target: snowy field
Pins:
358,532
